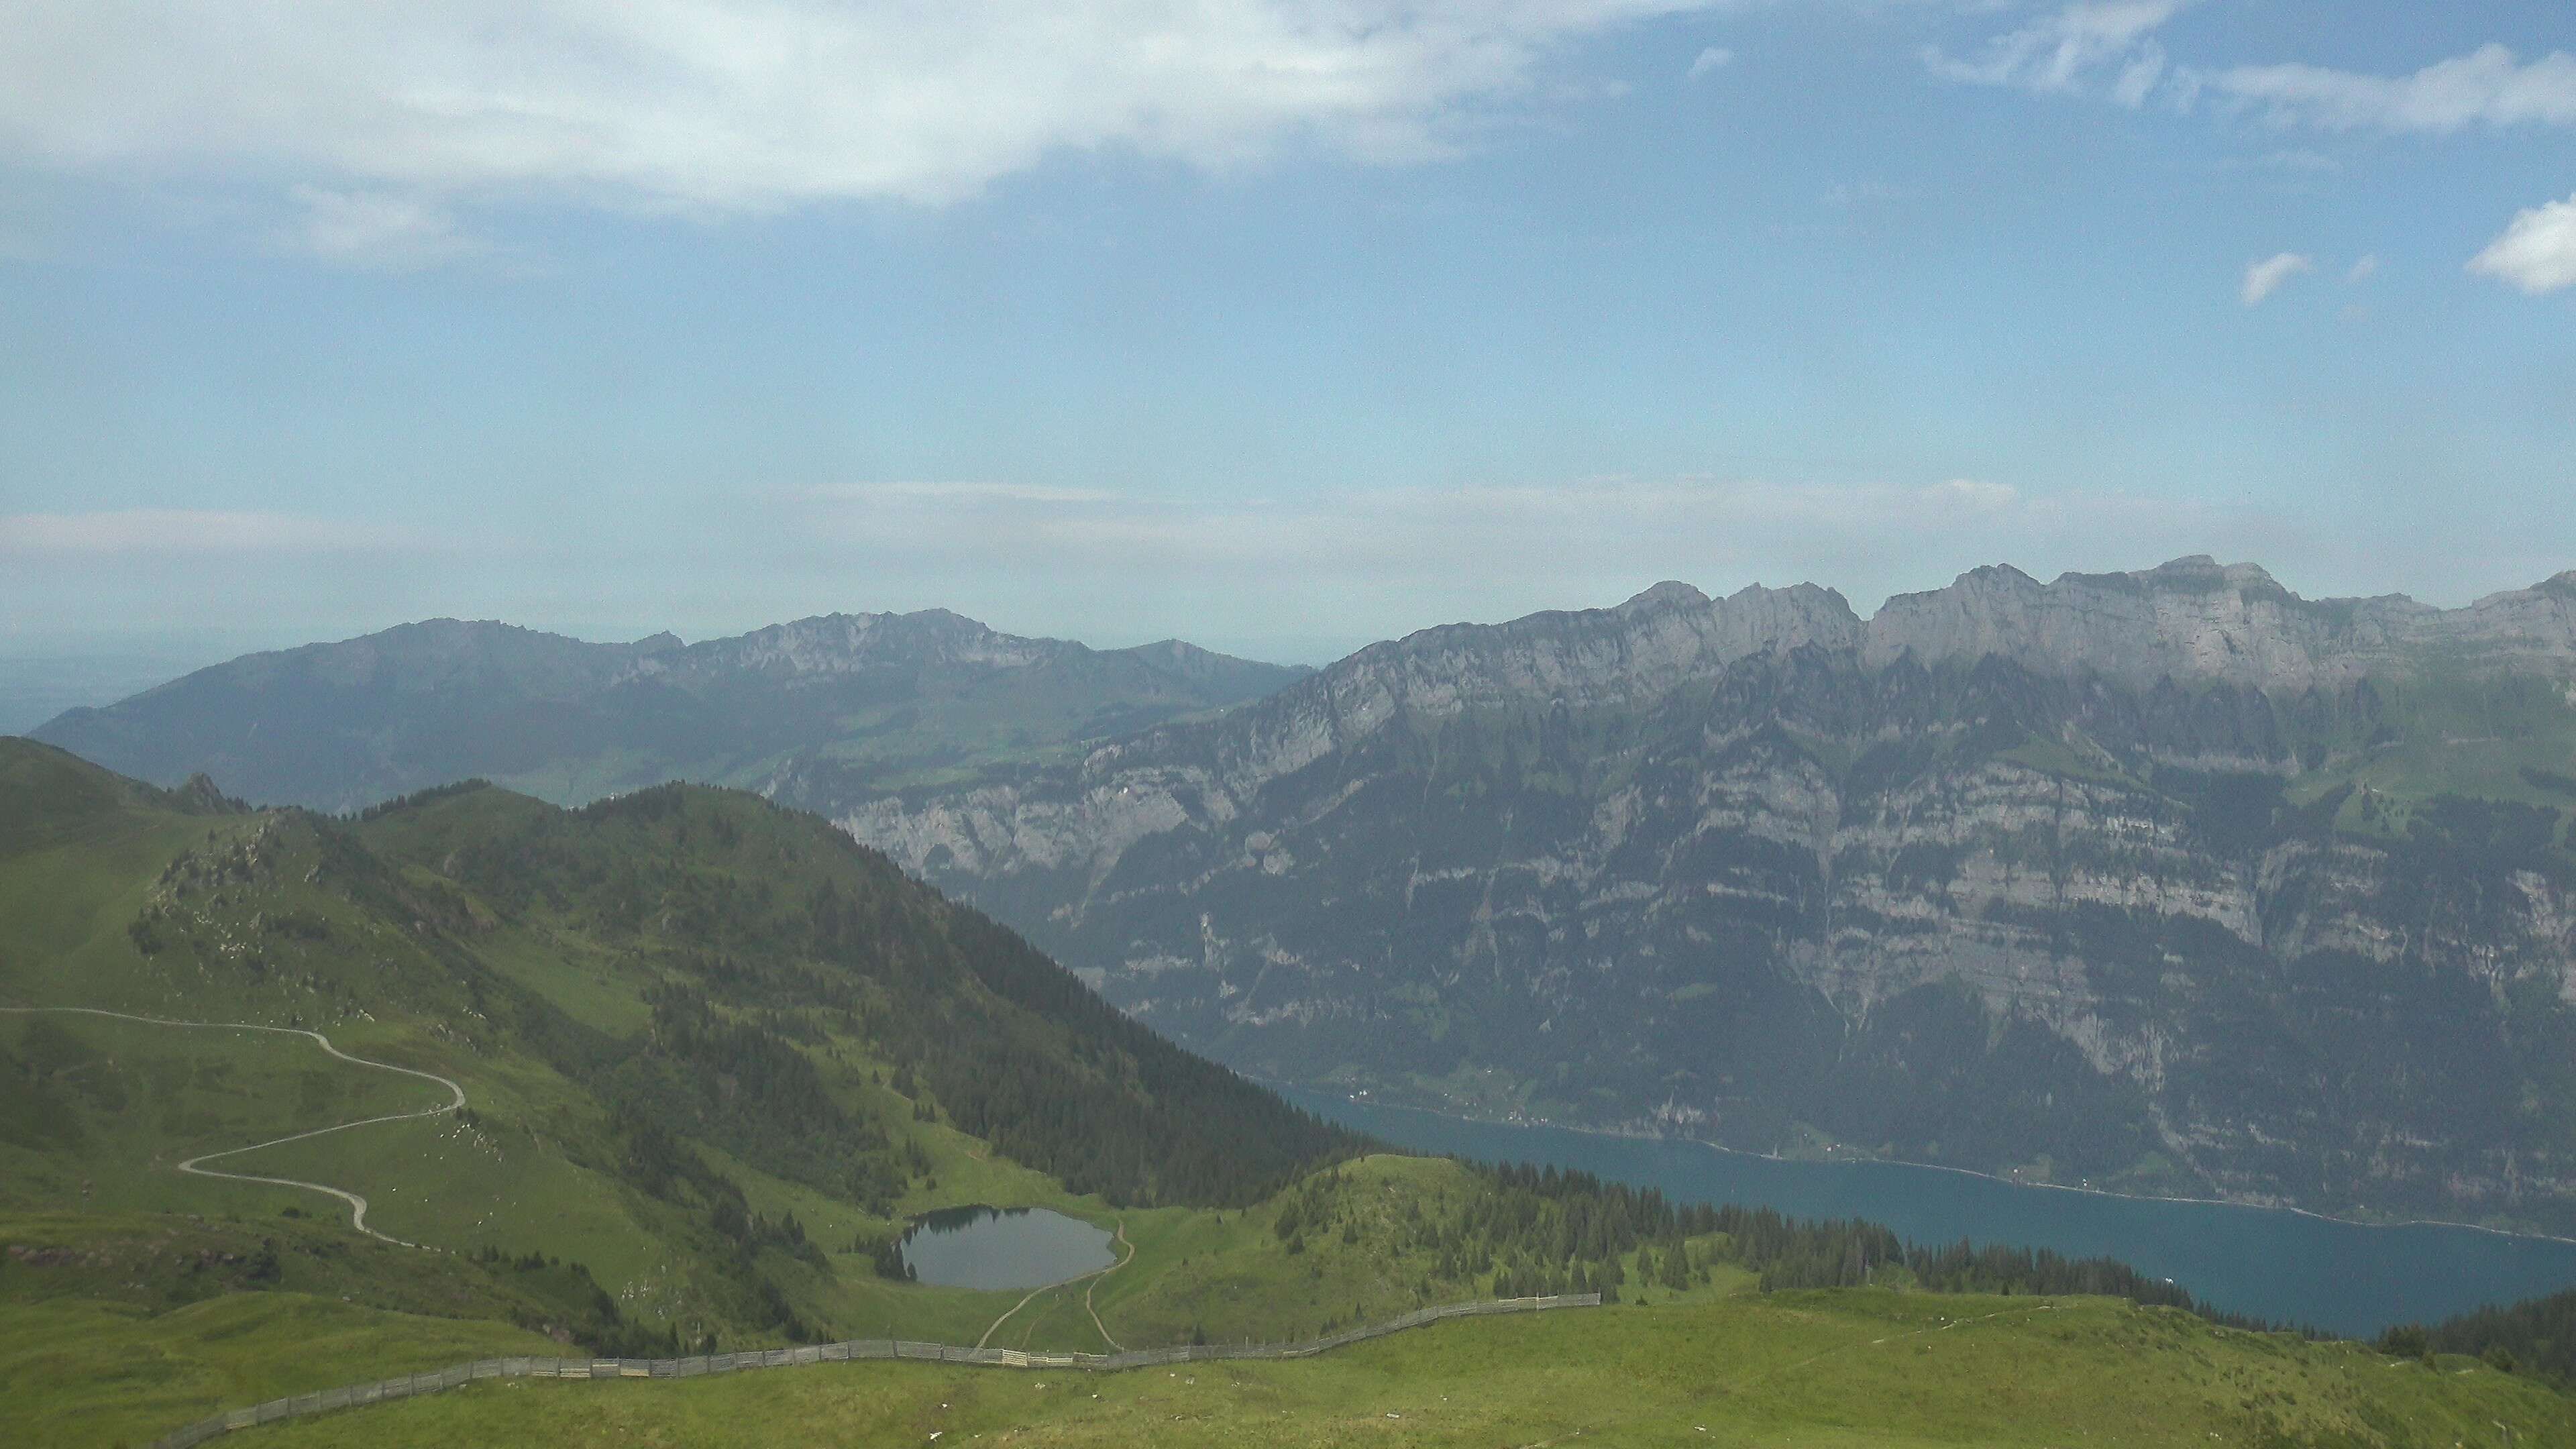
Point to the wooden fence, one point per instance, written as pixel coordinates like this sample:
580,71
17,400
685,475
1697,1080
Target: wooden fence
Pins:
855,1350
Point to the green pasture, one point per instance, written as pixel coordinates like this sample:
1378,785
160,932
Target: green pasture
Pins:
1852,1368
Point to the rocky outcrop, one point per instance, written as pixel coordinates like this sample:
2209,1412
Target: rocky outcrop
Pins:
2142,879
2194,619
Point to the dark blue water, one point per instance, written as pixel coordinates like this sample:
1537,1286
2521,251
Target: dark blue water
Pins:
981,1247
2344,1277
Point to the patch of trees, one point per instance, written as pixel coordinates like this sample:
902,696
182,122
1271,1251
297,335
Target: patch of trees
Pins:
885,1255
1059,1079
741,1084
2550,780
781,934
570,1300
418,798
661,1165
1540,1230
2537,1335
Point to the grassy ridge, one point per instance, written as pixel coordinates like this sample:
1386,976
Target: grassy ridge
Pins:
714,1051
82,1372
1846,1368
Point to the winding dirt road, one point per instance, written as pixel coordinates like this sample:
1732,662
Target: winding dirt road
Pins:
357,1203
1095,1275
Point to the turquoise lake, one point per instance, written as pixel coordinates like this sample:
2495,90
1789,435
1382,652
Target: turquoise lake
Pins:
2348,1278
982,1247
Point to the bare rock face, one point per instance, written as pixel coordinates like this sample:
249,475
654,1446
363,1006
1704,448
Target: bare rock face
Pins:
2159,880
2194,619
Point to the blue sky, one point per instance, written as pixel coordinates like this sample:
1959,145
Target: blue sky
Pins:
1279,327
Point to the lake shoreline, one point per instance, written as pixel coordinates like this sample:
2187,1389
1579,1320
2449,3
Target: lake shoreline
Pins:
1630,1135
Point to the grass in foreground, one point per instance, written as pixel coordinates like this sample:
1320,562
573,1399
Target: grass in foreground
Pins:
79,1372
1856,1367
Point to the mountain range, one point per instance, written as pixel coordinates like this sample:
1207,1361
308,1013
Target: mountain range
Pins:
877,697
674,1070
2169,881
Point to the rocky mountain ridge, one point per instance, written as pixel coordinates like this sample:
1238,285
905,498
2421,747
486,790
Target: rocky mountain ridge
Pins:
2190,619
2170,880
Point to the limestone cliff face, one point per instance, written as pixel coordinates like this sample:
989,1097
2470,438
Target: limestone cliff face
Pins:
2124,876
2195,619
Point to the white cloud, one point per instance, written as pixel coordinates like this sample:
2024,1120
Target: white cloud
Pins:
1716,57
2062,51
2537,252
2265,277
1975,495
2139,78
2487,86
188,531
2362,269
2067,49
749,104
377,230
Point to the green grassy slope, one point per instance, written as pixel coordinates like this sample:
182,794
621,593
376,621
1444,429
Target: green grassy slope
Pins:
713,1052
716,1056
1850,1368
80,1372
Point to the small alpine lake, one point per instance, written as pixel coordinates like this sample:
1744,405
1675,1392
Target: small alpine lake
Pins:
995,1248
2348,1278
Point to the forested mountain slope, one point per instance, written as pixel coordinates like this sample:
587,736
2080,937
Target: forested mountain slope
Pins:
2168,881
878,698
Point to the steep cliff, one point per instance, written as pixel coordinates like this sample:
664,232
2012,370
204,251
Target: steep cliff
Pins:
2169,881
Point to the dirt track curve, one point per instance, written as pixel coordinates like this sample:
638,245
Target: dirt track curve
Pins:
357,1203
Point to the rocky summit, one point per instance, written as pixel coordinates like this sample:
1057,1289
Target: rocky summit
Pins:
2168,881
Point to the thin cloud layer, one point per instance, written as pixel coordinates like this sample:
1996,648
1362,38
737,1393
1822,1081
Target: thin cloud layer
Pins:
379,230
2488,87
2537,253
2109,47
2064,50
145,532
733,105
2265,277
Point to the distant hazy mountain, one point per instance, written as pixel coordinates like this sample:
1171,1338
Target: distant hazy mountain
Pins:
843,701
2169,880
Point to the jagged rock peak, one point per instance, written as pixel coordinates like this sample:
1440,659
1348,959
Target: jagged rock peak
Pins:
1670,594
2197,619
2188,619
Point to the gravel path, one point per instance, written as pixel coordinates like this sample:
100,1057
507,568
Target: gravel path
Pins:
357,1203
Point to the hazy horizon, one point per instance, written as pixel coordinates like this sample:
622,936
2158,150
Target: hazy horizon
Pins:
1276,328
